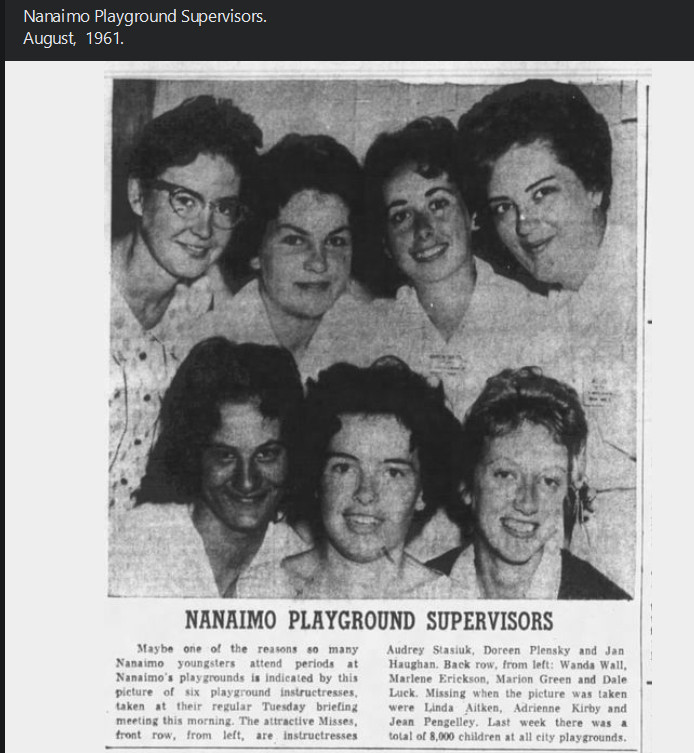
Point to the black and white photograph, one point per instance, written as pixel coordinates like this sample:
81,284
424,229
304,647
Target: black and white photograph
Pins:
374,338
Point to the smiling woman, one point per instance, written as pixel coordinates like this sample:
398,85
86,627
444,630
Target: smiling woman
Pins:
543,156
188,181
453,318
210,506
523,471
377,450
301,243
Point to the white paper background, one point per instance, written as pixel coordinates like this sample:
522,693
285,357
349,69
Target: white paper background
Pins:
57,299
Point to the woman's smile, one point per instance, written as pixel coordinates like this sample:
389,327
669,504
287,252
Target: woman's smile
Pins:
430,253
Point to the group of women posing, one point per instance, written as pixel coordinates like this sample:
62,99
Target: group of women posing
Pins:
363,370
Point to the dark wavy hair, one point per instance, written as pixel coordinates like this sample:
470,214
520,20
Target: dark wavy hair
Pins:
216,371
539,110
431,144
516,396
199,125
298,163
388,387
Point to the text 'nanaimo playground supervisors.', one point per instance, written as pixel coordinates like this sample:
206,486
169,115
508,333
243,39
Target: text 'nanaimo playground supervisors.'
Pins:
104,27
252,678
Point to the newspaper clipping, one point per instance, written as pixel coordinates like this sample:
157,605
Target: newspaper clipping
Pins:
375,379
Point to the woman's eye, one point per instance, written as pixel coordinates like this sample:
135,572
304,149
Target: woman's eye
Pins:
293,240
185,201
543,192
501,209
439,204
503,474
223,457
395,472
551,482
339,468
268,454
396,219
229,208
338,241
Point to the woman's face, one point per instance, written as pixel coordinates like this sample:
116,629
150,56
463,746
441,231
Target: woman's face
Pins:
370,487
544,215
428,226
244,468
186,248
305,256
518,496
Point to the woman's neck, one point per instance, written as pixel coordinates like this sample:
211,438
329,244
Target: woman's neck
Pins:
292,332
355,580
501,580
146,287
228,551
446,302
586,262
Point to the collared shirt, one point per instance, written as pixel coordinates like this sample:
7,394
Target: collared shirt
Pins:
142,365
592,341
543,585
348,332
157,551
304,576
491,336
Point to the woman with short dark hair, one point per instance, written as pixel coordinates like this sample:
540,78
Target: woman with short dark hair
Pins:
301,244
523,472
212,503
378,451
543,159
541,156
453,318
190,180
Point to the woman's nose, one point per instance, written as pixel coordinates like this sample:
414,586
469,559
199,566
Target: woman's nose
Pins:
202,227
525,499
422,225
366,489
316,260
246,477
526,220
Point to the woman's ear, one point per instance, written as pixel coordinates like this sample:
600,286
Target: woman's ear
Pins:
254,264
595,198
419,505
474,222
578,469
465,494
135,195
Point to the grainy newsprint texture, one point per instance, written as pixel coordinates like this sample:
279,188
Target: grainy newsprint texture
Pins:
438,551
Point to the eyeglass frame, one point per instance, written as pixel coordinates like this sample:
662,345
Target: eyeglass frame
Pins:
172,188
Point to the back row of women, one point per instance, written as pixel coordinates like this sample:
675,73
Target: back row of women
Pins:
336,262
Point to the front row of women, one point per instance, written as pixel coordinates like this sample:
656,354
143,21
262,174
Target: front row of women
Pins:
254,490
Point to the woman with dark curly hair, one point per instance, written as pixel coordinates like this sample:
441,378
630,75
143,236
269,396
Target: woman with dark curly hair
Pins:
541,157
189,181
378,450
211,506
301,244
522,464
453,318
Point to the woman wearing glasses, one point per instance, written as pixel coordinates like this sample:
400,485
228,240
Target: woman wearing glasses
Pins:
188,178
300,246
